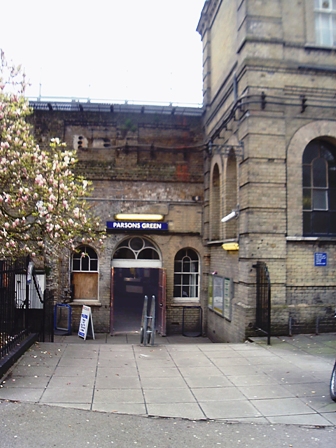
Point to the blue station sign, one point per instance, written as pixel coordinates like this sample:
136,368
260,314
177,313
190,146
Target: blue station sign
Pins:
136,225
320,259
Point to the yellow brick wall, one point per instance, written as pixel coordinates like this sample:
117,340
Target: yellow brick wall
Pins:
274,48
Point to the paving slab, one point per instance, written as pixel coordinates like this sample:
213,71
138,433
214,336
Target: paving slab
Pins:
282,406
90,363
311,389
230,361
207,381
120,408
38,361
191,378
67,394
175,395
116,363
171,382
229,409
30,382
25,394
203,394
118,396
64,382
117,382
320,404
190,411
301,419
265,392
34,370
199,371
158,372
260,379
123,371
196,363
240,370
330,416
74,371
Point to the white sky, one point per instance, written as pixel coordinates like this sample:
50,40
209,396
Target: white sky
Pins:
142,50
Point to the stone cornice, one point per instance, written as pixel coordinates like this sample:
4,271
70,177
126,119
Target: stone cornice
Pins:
209,8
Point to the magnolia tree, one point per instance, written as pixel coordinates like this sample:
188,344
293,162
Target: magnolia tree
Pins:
42,202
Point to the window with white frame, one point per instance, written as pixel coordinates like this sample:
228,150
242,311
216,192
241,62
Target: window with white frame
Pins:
85,259
186,275
325,22
136,248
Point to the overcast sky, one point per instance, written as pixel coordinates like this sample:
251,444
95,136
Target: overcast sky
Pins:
143,50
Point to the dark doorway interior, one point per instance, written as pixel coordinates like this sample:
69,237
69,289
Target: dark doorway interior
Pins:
130,287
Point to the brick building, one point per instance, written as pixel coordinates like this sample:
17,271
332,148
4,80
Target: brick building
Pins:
269,98
147,162
261,154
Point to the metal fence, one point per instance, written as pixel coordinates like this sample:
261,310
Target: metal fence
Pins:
25,305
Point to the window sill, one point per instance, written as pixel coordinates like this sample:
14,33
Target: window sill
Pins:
313,46
185,303
310,238
82,302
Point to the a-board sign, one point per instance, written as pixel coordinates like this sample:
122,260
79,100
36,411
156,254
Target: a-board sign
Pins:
86,323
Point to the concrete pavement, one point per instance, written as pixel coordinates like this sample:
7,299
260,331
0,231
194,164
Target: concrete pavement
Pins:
189,378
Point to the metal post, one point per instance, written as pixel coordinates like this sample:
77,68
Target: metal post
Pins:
269,310
317,325
290,326
147,329
29,268
152,320
143,327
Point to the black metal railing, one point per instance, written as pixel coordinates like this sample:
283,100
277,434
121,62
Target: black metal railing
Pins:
24,307
263,305
12,312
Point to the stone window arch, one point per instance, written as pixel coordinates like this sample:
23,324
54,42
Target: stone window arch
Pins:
186,275
319,188
322,130
85,259
215,201
231,196
136,248
137,251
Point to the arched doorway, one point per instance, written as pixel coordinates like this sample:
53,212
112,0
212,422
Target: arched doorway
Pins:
136,272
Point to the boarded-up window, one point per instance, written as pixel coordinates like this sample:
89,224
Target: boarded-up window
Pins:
85,274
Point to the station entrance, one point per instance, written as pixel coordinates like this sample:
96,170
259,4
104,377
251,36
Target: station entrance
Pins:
136,272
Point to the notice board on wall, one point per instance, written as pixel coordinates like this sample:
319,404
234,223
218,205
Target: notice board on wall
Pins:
86,323
228,286
218,294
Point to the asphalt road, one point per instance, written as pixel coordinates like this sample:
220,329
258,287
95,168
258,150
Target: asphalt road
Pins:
25,425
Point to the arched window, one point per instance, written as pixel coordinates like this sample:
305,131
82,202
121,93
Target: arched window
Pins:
319,188
231,200
136,252
215,209
85,259
136,248
186,275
